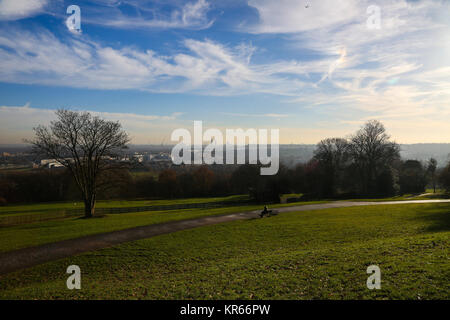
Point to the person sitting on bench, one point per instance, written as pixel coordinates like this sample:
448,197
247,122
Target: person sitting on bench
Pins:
265,211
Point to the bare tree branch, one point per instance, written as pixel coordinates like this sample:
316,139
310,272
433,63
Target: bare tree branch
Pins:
82,143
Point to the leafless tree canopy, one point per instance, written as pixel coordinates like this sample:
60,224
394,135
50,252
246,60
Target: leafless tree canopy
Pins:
81,142
332,151
333,155
371,150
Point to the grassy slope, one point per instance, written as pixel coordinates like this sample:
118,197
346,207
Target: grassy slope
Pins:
43,207
406,197
33,234
306,255
26,235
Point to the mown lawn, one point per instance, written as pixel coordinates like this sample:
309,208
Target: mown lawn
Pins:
33,234
408,197
305,255
44,207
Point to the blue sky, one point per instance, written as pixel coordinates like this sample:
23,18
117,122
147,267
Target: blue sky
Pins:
313,69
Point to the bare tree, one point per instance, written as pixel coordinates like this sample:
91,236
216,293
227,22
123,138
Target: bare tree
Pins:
432,165
332,155
372,152
82,143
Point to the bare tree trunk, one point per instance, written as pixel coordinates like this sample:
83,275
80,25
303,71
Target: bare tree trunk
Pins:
89,207
434,182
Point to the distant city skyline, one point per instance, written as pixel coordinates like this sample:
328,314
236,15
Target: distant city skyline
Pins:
313,69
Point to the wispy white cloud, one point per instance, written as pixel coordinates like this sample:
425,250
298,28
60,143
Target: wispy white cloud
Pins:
190,15
18,9
288,16
398,73
207,67
335,65
16,123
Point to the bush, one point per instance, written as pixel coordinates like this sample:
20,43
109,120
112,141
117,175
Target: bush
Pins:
3,202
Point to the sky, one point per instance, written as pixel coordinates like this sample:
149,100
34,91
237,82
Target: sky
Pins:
313,69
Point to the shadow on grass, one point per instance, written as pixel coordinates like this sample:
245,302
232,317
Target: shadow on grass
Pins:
436,217
93,217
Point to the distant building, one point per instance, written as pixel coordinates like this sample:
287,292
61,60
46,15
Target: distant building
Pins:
162,157
45,162
50,163
138,158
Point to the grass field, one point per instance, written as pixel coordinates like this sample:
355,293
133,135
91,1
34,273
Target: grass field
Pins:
44,207
32,234
14,215
26,235
305,255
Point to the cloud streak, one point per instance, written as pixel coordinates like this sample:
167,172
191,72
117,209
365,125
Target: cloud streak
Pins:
293,16
19,9
16,123
207,67
190,15
398,73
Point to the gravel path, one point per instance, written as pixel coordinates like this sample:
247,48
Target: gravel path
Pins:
28,257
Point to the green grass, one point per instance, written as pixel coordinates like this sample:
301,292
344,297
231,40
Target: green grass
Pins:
291,195
33,234
40,208
44,207
431,190
38,233
144,174
406,197
305,255
26,235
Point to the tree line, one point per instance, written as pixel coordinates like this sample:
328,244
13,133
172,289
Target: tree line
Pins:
334,172
367,164
315,179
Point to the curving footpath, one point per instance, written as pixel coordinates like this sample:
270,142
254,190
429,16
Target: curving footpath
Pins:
28,257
